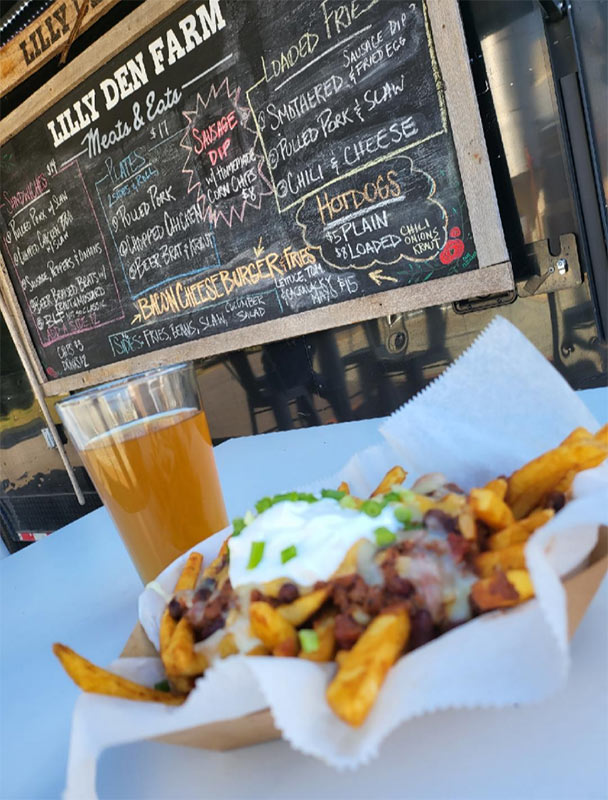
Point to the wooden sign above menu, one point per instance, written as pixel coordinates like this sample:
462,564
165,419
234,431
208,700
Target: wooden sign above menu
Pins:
240,164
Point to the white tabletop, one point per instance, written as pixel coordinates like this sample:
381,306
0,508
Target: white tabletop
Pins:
78,586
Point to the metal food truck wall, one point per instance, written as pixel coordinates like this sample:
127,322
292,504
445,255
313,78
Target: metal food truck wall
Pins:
540,76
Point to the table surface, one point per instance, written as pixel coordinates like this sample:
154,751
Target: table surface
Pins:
78,586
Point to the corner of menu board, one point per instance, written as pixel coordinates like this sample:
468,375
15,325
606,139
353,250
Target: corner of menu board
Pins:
235,173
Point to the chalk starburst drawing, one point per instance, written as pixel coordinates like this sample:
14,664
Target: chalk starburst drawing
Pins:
223,189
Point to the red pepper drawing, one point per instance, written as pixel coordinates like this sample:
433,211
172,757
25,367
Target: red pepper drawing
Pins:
454,247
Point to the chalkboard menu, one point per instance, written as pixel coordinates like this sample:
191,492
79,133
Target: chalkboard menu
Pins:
242,161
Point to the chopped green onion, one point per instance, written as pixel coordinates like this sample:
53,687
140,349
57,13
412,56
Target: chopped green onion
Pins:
384,537
407,496
348,501
162,686
263,504
255,556
249,517
309,640
403,514
307,497
279,498
334,494
392,497
371,507
238,525
289,553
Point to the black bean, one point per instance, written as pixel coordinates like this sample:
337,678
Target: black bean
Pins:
208,627
423,629
555,500
176,609
398,585
436,520
346,631
205,590
288,593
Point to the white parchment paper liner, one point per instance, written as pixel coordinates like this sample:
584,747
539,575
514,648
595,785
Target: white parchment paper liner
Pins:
499,405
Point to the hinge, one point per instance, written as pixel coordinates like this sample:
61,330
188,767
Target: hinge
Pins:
551,273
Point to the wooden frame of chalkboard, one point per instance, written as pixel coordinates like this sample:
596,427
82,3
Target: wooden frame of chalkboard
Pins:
442,60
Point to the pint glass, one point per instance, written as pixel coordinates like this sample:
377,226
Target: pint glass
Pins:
145,443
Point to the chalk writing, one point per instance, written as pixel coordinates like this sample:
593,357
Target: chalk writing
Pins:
234,164
381,215
316,131
225,170
46,234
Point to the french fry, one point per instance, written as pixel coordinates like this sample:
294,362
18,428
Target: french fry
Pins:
565,484
298,611
393,477
498,486
190,572
276,633
167,628
217,565
467,525
511,557
425,504
227,647
91,678
520,579
452,504
180,657
502,590
340,656
181,684
258,650
579,435
489,508
529,484
355,687
520,531
324,628
187,580
601,437
576,436
349,562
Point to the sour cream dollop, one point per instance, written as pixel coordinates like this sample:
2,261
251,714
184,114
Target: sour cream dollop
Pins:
321,532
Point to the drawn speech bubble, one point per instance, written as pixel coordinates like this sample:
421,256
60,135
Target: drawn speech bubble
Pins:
378,216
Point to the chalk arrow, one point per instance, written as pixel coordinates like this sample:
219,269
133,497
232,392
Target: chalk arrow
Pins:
377,276
259,249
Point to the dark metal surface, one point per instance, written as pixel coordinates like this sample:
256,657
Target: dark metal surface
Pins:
369,369
589,24
552,271
588,205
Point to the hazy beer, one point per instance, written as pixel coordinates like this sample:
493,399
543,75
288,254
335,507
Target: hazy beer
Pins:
157,478
145,443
